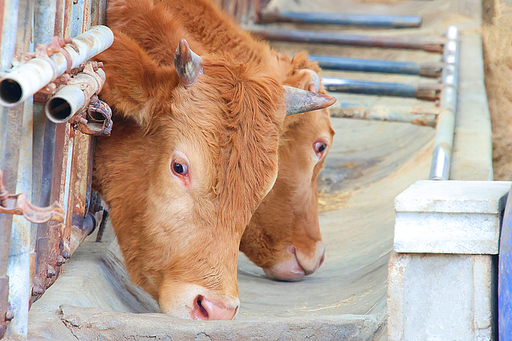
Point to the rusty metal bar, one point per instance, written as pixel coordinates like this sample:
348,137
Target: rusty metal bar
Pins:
81,167
298,36
431,69
427,91
366,20
443,145
419,115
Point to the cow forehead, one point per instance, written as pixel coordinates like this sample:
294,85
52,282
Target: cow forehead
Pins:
232,130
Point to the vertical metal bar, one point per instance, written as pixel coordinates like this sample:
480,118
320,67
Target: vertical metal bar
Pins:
19,268
9,29
81,189
45,14
60,11
86,16
68,19
443,145
20,250
77,15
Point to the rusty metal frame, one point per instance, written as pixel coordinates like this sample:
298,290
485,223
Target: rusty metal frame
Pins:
58,168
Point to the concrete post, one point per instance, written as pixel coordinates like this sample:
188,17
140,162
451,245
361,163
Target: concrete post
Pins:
442,275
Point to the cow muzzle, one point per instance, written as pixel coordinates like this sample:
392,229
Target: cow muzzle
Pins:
191,301
298,264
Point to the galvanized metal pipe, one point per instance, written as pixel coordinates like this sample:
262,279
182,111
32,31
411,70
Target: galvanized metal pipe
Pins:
419,115
392,21
73,97
420,91
433,69
32,76
441,159
298,36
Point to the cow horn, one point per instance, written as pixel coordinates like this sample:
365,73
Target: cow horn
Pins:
299,101
188,64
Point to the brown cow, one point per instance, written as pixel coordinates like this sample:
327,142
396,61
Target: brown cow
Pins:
287,245
192,154
283,236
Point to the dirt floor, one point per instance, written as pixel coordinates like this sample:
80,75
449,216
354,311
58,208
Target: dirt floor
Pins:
497,43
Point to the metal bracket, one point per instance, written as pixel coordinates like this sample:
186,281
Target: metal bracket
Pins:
96,120
19,205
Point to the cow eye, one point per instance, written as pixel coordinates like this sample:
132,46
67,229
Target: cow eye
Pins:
179,164
319,147
179,168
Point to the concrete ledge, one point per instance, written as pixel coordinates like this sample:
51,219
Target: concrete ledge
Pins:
460,217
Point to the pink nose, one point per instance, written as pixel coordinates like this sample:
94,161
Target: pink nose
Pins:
299,265
209,310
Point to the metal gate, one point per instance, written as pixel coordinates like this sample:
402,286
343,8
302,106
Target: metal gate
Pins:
50,163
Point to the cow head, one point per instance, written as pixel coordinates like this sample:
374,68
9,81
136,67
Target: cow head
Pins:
283,236
193,153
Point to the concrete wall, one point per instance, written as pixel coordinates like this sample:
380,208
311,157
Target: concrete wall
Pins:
442,275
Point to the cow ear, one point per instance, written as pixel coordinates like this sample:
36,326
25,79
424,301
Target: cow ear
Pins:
134,81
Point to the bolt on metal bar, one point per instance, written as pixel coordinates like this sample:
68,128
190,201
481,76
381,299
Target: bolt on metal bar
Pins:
419,115
24,81
432,70
420,91
443,145
392,21
298,36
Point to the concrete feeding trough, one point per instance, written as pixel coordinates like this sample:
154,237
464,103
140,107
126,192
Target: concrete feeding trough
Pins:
370,163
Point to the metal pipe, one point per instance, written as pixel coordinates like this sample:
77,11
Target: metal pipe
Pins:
432,69
393,21
73,97
418,115
298,36
24,81
441,159
420,91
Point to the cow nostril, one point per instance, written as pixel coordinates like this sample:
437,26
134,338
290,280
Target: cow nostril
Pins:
321,260
292,250
201,312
